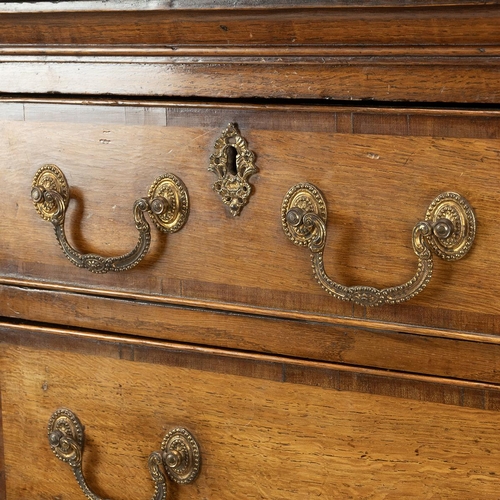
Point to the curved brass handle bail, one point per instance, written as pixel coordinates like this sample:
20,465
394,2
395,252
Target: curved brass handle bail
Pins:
167,204
179,454
448,231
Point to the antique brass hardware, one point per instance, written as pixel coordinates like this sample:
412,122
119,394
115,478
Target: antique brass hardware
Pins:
179,453
233,163
167,204
448,230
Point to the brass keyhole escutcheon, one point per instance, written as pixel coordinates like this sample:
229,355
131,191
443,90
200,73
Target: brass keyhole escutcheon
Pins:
233,163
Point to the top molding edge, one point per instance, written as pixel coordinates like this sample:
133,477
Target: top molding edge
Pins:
135,5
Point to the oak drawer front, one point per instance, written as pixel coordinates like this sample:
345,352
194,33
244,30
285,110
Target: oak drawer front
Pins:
378,171
260,437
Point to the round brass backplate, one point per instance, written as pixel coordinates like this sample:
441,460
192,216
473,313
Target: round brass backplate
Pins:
173,190
456,210
49,177
306,198
182,459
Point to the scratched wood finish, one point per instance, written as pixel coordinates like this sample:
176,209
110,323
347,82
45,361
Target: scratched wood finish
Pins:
378,169
433,79
336,50
259,436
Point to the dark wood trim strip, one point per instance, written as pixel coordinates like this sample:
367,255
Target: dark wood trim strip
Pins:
375,325
272,54
460,358
354,108
418,121
278,369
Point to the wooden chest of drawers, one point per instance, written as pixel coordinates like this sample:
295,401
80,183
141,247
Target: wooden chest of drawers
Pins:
179,152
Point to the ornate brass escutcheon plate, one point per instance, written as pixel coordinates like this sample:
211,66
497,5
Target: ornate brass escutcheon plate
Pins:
50,178
181,456
454,242
301,199
233,163
171,216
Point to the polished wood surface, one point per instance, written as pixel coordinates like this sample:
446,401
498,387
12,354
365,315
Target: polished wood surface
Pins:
222,328
253,27
378,170
260,435
337,50
340,377
426,351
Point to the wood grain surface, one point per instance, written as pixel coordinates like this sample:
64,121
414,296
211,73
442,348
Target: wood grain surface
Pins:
339,50
222,328
378,169
445,353
278,27
466,80
260,436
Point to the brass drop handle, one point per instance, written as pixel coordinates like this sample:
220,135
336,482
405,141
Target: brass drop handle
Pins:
448,230
179,454
167,204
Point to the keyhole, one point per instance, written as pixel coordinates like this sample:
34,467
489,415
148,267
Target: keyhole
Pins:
231,160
